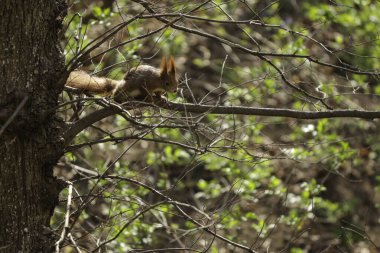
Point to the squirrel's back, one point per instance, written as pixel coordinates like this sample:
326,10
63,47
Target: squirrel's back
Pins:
140,82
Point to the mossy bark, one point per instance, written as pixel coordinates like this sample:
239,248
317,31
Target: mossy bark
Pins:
31,64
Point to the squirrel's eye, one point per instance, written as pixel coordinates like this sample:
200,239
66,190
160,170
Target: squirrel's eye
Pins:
167,84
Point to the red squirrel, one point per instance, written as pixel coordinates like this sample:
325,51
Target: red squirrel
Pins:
141,83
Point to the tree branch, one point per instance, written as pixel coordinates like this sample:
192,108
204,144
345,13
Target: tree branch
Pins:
98,115
272,112
349,69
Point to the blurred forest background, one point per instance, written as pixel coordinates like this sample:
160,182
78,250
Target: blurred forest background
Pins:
156,180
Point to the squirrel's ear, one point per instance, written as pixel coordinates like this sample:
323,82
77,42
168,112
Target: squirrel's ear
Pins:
171,69
164,66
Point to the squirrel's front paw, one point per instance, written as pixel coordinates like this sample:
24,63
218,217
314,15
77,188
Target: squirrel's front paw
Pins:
160,101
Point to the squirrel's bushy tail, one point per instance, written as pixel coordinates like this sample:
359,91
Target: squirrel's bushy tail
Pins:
96,85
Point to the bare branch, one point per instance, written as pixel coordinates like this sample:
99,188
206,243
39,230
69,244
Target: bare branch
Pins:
67,218
14,114
350,69
273,112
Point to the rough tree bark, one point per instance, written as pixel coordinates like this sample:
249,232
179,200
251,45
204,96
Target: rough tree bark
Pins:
30,66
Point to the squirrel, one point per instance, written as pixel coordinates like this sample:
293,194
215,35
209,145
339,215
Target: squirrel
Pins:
144,83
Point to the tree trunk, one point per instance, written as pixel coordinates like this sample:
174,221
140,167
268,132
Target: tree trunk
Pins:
30,66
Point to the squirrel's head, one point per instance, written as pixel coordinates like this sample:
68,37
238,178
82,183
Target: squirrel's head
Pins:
167,74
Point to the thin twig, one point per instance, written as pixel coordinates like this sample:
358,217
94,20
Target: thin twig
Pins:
14,114
67,218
